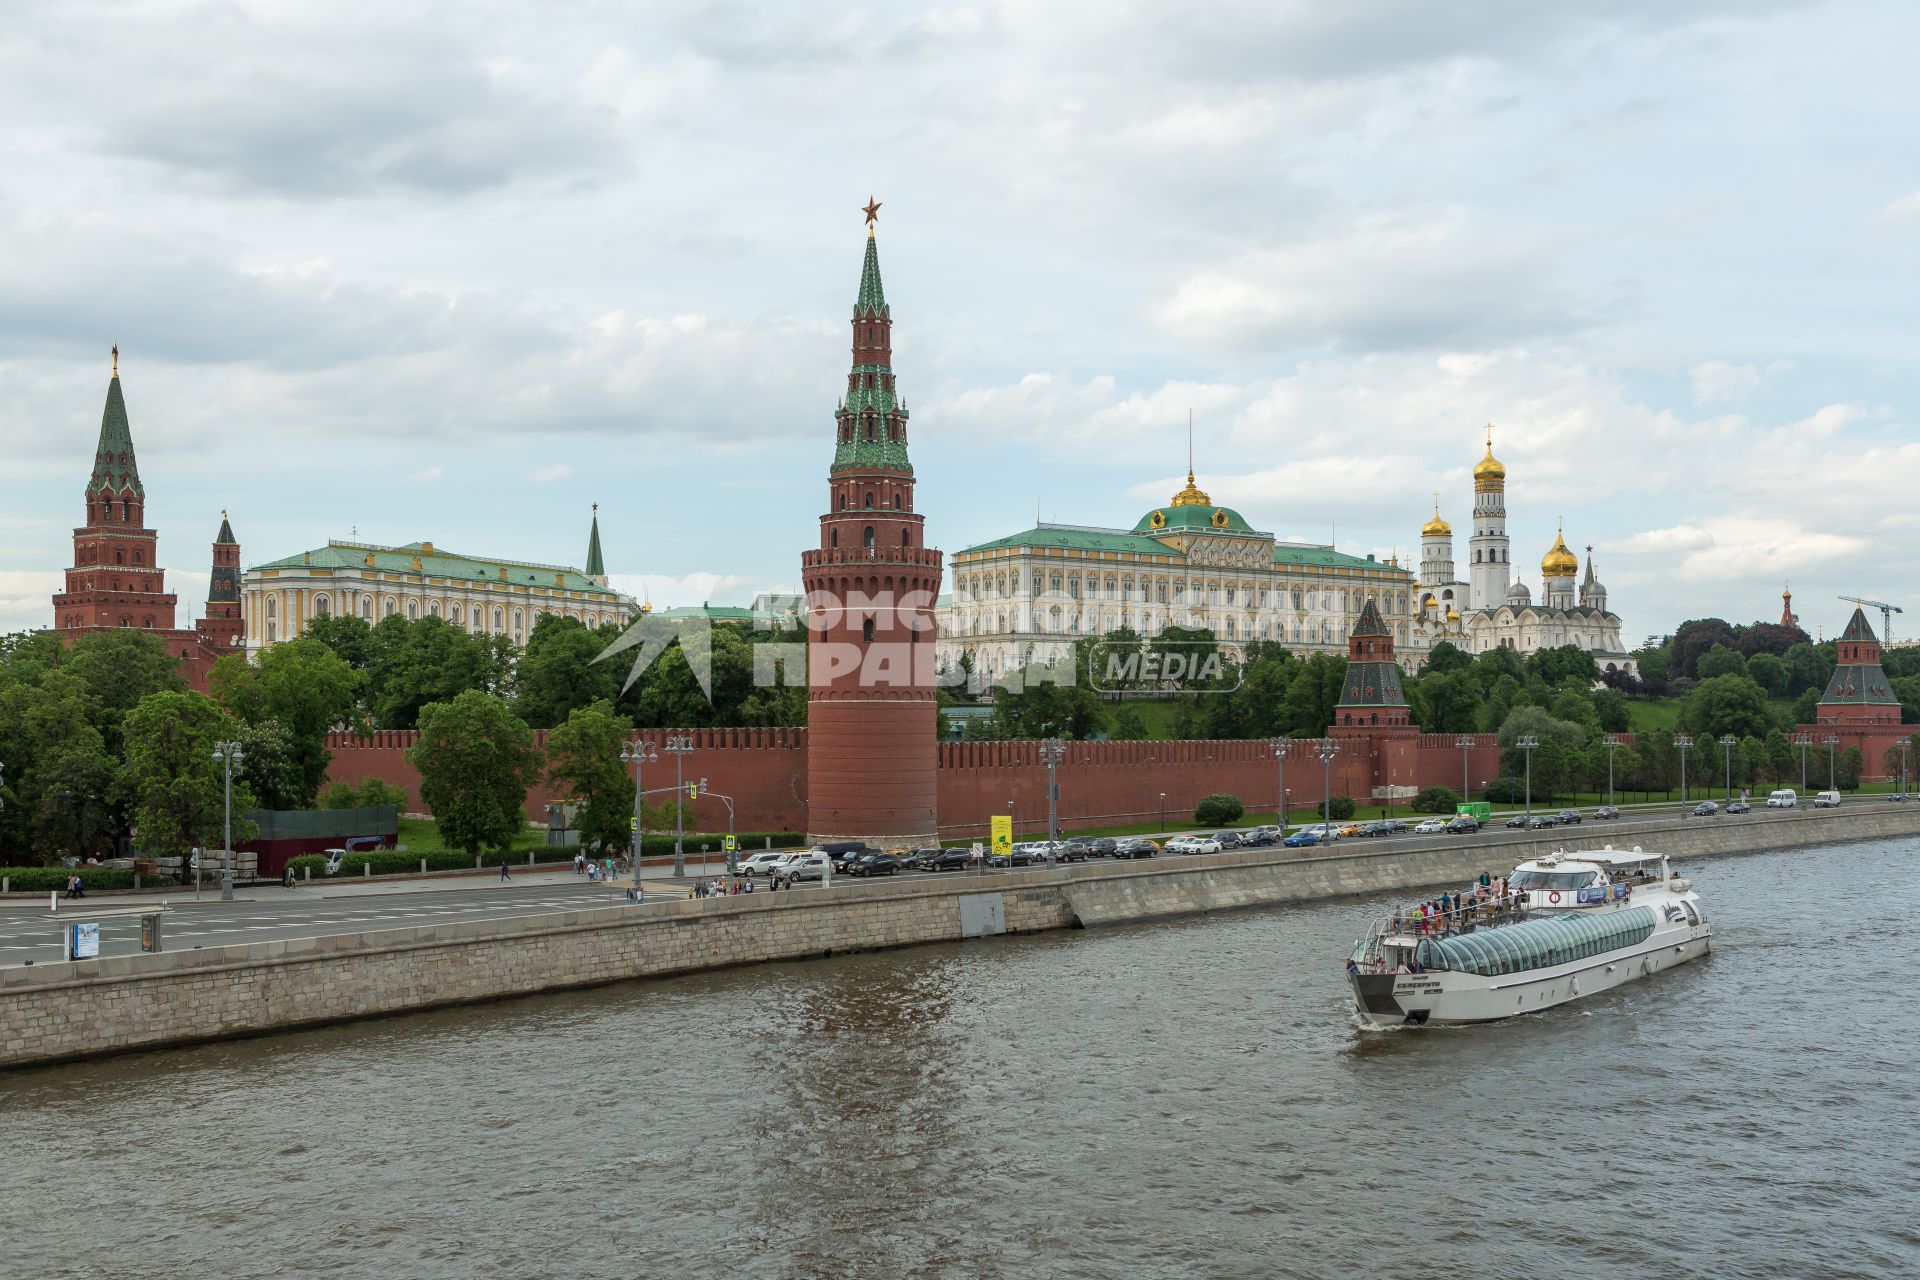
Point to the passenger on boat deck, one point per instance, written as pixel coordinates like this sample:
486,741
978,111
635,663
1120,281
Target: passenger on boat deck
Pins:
1402,968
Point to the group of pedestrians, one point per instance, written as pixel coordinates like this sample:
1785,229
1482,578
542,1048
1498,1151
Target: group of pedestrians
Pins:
1488,900
720,887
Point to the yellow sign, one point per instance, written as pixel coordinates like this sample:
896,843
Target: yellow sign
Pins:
693,791
633,824
729,846
1002,828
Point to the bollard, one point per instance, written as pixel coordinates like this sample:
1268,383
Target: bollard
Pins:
6,884
136,880
529,857
306,873
423,866
366,870
476,863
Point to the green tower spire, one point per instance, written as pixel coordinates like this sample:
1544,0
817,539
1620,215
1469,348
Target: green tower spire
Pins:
595,568
113,463
872,299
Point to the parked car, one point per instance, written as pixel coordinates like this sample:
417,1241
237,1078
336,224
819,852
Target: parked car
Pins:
1431,827
874,864
1898,797
1193,844
1258,837
1227,839
1827,800
1542,821
1517,820
1605,812
1568,817
811,865
1706,809
1391,827
1303,837
1020,856
1463,824
1138,848
1784,798
1351,829
760,864
948,860
1078,849
1739,806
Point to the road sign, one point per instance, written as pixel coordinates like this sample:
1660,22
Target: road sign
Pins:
83,941
693,791
1002,832
729,845
633,824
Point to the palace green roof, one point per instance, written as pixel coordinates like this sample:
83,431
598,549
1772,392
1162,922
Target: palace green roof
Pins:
435,563
1194,517
1081,538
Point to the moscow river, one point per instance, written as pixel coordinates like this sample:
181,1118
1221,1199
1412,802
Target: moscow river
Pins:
1182,1099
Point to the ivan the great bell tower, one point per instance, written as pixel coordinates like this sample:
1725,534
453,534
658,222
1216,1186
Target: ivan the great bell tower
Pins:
872,717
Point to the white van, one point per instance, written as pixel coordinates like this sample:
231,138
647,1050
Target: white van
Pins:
1785,798
1827,800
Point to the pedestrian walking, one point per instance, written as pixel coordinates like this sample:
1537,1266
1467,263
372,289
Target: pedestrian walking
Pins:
504,873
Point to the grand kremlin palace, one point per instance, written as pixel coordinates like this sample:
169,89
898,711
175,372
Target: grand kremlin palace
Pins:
1024,599
482,595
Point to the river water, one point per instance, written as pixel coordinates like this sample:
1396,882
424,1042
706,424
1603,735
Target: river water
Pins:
1182,1099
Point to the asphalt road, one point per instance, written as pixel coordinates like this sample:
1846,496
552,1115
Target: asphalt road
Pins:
268,913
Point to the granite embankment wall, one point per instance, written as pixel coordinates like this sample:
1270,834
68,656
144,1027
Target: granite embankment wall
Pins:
51,1012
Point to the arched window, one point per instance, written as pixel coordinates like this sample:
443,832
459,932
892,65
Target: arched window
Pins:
320,606
273,606
391,607
869,500
139,557
413,610
496,617
843,502
119,557
866,631
366,607
866,537
833,537
896,502
906,537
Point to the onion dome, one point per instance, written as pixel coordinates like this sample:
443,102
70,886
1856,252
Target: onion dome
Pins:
1518,593
1191,495
1436,527
1488,473
1559,562
1453,614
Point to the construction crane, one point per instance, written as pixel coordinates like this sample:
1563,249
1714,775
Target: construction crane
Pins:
1886,613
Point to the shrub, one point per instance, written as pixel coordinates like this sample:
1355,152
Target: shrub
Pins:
1340,808
388,862
41,879
1436,800
1506,791
1218,810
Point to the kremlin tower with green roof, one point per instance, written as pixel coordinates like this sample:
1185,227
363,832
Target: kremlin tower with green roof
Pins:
872,717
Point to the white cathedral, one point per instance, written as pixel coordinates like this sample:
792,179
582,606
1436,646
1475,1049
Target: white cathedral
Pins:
1492,608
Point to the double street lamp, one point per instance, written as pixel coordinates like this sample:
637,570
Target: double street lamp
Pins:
1613,744
1052,752
1465,743
1684,742
229,754
1326,749
1833,783
679,746
1279,746
1528,744
637,754
1803,741
1727,742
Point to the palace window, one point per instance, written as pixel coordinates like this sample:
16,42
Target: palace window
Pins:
866,537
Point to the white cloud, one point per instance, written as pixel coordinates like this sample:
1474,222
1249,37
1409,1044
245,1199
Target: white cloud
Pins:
548,475
1716,382
1684,537
1904,210
26,598
1824,422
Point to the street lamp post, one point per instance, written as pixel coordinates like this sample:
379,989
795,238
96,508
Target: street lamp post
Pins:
1464,742
227,753
1163,812
1833,778
1803,741
1326,749
1052,751
1904,744
1726,752
1683,741
1279,746
1527,743
1613,743
679,746
637,754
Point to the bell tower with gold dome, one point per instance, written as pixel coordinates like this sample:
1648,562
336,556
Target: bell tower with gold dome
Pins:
1557,568
1489,572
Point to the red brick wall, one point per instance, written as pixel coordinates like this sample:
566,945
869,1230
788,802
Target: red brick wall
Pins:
764,770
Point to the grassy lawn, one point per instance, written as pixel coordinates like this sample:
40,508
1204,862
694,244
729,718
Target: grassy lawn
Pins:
422,835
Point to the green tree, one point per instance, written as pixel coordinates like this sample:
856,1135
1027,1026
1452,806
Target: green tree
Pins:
1726,704
1128,725
1610,708
1808,668
1721,661
1307,709
1554,760
1780,760
414,662
1654,662
350,638
170,778
477,760
372,793
1567,661
58,781
1850,766
119,669
1769,672
306,688
1436,800
270,765
1451,700
558,674
1693,640
1218,810
1445,658
583,758
1052,702
1899,758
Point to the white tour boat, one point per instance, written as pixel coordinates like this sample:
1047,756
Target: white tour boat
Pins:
1569,925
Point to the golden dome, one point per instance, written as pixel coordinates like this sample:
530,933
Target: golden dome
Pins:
1559,562
1488,473
1436,527
1191,495
1453,614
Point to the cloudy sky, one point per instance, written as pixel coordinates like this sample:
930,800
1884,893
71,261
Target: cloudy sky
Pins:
458,272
